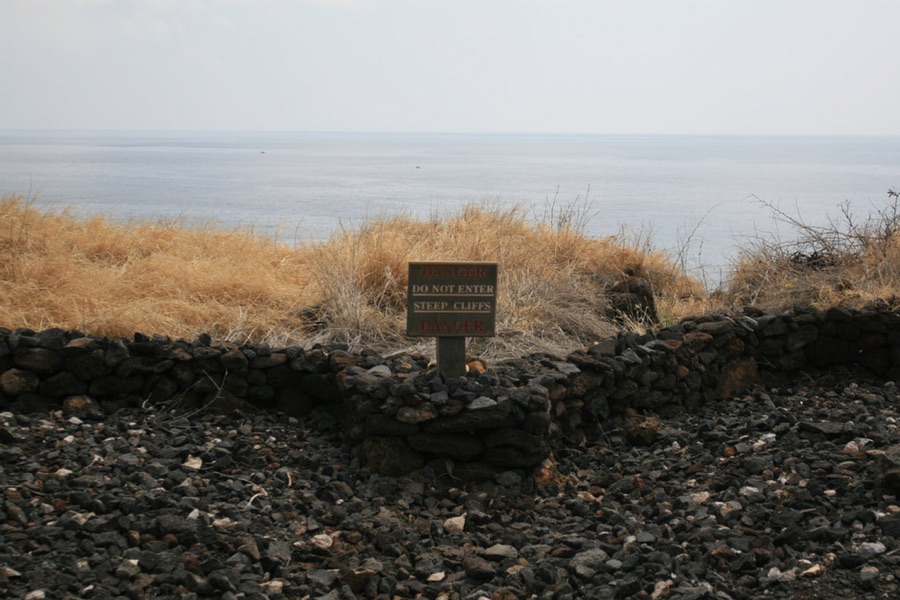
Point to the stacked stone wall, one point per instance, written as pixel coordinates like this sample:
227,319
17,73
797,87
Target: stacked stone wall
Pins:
401,415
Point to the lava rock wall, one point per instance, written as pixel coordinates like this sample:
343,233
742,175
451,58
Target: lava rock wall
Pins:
401,415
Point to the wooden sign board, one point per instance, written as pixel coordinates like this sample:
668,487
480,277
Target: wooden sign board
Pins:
451,299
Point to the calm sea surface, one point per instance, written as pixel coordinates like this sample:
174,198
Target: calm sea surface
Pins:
697,193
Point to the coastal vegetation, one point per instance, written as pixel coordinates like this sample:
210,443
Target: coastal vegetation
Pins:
554,290
853,260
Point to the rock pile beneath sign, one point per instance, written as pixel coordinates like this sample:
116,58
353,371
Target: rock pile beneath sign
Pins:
781,492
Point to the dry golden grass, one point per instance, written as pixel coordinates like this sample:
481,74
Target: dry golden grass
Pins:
551,288
115,279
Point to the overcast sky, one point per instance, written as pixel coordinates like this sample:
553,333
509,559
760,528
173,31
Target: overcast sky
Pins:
597,66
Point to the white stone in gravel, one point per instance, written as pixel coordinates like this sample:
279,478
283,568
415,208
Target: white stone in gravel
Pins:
726,509
323,541
813,571
455,524
661,589
869,549
785,576
768,438
82,518
276,586
852,448
224,522
700,497
501,551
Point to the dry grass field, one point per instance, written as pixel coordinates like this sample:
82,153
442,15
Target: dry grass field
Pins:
108,278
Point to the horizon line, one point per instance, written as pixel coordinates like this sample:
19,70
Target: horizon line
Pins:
435,132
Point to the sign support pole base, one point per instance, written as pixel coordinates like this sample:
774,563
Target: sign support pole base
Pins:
451,356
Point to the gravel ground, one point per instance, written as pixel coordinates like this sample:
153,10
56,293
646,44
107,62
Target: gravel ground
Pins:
781,493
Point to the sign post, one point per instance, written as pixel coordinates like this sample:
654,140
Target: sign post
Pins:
450,302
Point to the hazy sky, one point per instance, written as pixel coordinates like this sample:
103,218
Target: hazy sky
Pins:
625,66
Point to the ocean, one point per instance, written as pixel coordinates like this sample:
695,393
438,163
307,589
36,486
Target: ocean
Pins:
700,198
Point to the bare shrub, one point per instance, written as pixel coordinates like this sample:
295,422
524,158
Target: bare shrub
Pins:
851,260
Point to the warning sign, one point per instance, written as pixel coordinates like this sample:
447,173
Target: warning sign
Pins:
451,299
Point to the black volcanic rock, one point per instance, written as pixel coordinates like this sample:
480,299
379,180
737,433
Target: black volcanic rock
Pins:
778,493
